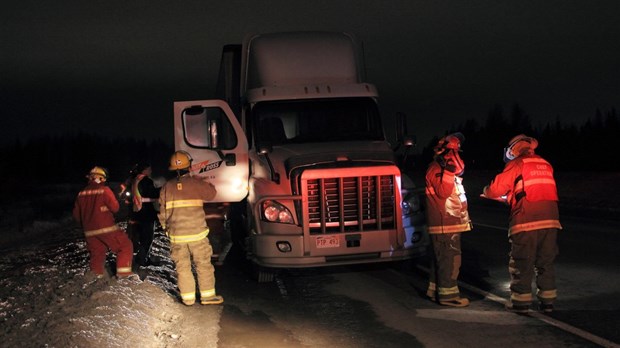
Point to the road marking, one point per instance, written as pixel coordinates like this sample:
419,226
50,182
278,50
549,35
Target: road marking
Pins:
554,322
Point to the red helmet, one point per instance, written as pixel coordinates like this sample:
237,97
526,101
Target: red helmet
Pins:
452,142
518,145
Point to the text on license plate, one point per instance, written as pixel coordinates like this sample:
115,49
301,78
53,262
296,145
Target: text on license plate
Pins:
327,242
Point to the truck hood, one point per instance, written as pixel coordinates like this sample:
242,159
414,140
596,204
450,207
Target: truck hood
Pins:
336,154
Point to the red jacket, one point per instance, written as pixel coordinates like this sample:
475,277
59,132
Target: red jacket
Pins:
446,204
531,192
94,209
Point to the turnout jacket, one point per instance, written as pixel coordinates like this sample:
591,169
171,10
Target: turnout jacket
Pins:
94,209
446,204
181,210
530,190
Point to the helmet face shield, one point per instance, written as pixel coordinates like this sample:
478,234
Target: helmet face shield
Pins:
508,155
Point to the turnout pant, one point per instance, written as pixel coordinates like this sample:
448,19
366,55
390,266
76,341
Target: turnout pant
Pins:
532,254
118,243
445,266
146,231
200,253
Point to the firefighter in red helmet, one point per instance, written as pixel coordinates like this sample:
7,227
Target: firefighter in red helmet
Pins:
182,216
94,210
447,218
527,184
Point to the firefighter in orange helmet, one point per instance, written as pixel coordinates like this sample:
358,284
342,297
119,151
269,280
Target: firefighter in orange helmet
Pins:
94,210
182,216
528,185
447,218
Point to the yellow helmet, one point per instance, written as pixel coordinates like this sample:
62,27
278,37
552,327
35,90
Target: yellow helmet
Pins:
98,173
180,160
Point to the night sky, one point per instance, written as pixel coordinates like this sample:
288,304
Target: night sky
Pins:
115,67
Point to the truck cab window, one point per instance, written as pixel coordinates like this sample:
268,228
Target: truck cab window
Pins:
303,121
208,128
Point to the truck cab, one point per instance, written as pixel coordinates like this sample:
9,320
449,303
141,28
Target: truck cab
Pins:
295,144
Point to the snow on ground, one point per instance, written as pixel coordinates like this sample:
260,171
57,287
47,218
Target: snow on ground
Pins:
49,299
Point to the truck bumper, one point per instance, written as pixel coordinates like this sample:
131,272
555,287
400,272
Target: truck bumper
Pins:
292,251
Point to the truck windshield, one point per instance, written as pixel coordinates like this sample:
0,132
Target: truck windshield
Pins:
324,120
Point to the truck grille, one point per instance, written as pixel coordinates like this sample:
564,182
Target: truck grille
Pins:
350,203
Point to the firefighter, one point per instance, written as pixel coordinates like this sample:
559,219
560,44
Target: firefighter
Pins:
94,210
144,215
447,218
183,218
528,185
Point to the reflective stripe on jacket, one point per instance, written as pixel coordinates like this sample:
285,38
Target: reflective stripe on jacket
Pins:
446,202
189,237
94,209
181,211
528,210
538,181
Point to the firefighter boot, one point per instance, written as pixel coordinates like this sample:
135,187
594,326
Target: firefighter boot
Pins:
455,302
517,308
212,300
546,307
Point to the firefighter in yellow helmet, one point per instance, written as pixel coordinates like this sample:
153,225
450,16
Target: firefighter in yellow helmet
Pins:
94,210
447,217
528,186
183,218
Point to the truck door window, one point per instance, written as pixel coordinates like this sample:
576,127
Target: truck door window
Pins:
208,127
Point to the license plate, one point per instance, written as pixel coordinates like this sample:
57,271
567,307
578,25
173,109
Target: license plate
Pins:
327,242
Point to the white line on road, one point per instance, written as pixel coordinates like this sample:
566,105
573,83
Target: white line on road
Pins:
559,324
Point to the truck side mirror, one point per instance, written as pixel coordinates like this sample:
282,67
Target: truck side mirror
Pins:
265,149
403,139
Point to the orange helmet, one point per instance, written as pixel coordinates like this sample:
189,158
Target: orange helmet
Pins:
180,160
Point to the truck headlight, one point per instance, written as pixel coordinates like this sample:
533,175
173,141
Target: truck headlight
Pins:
276,212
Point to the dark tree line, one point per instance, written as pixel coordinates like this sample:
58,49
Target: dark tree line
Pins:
590,146
67,159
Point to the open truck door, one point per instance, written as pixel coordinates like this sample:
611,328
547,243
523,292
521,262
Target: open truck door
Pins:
210,132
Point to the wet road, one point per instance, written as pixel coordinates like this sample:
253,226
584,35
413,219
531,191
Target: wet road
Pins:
384,305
